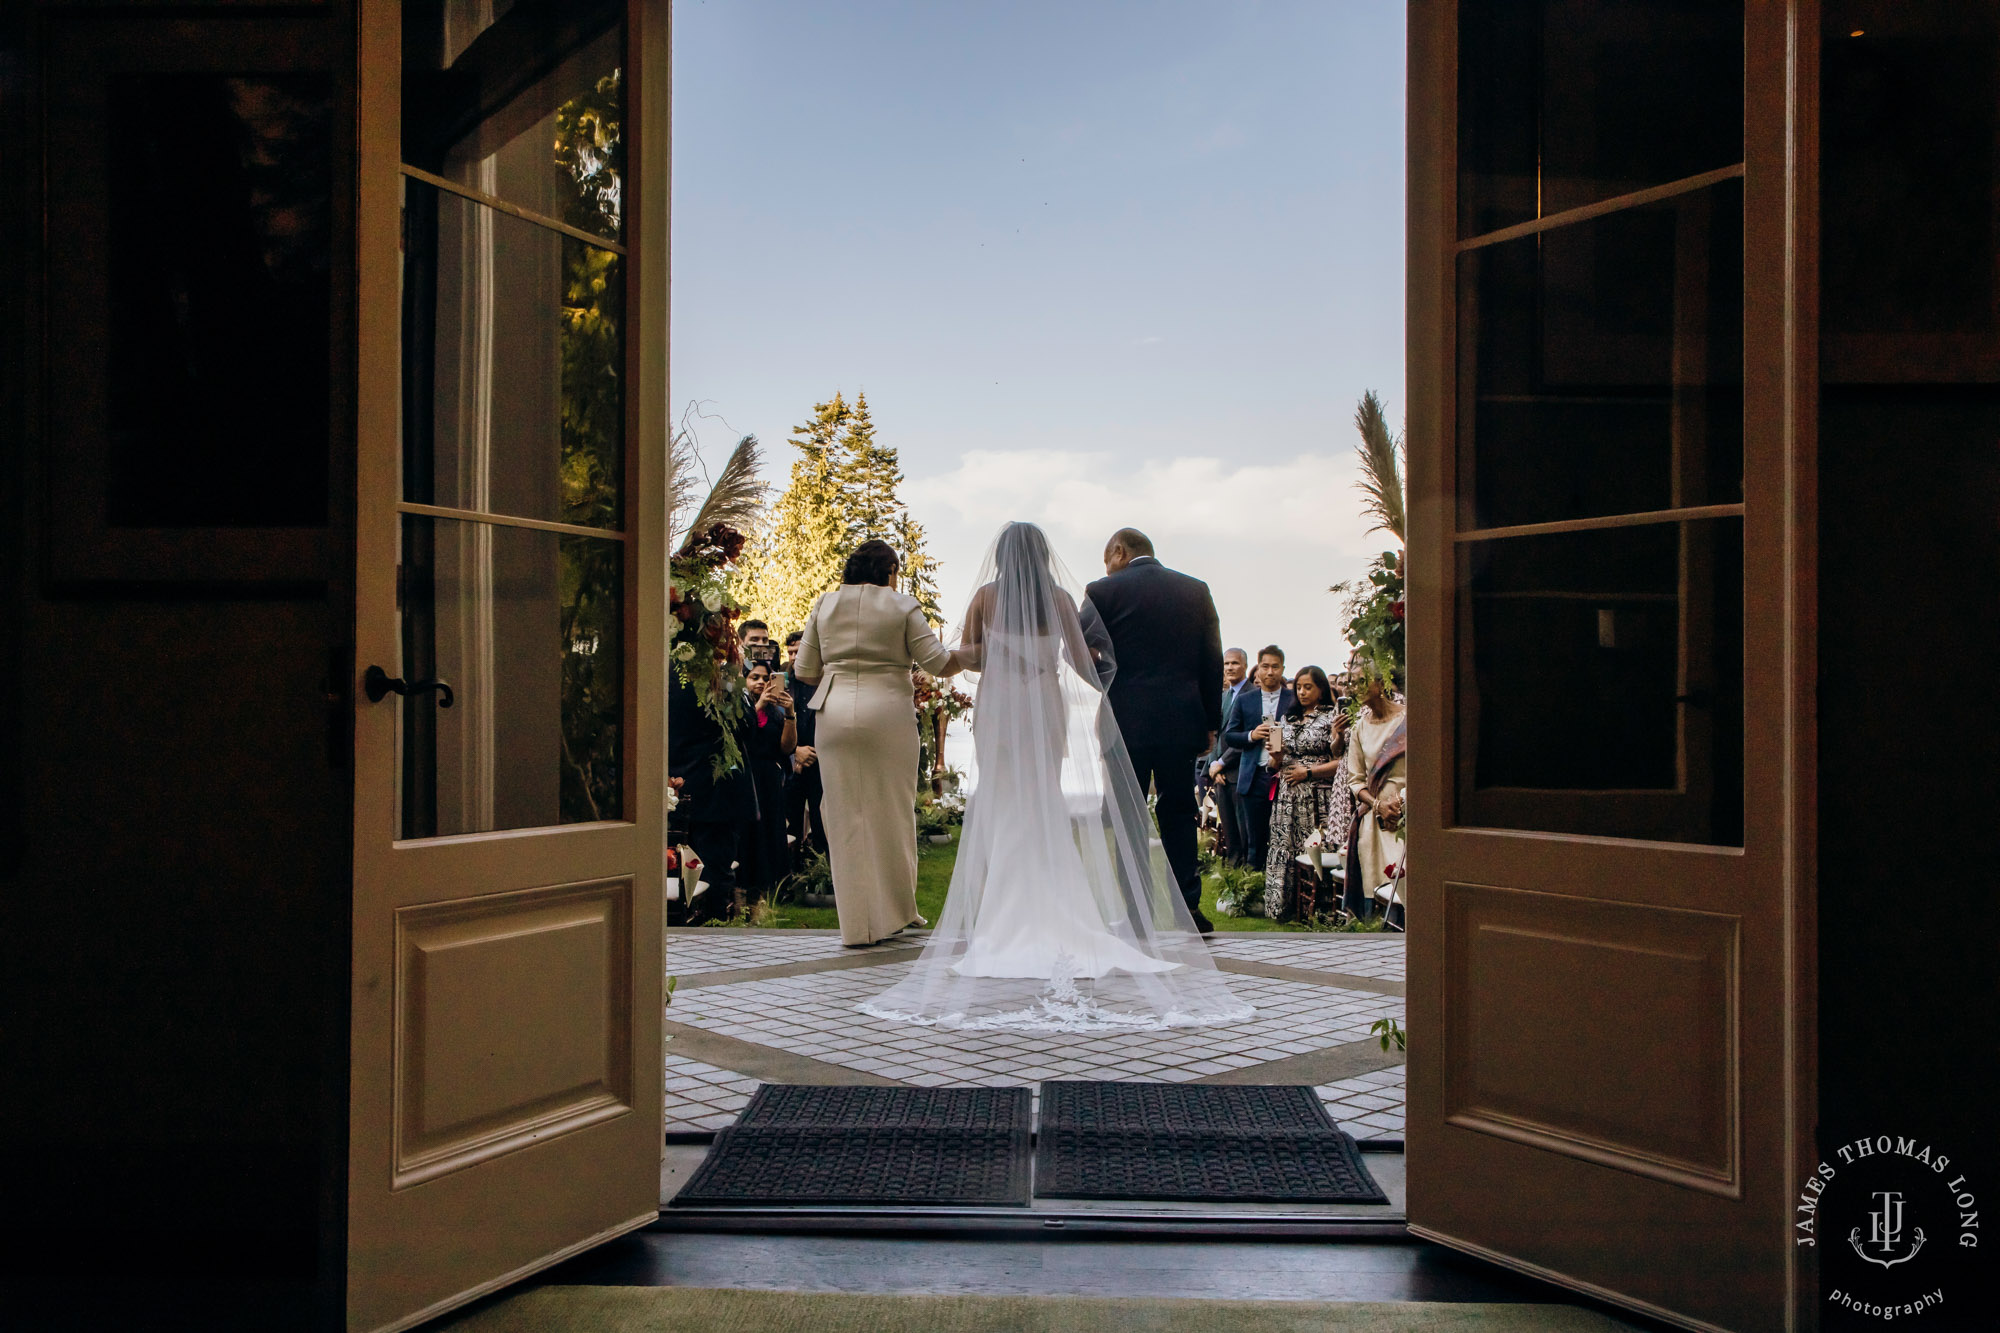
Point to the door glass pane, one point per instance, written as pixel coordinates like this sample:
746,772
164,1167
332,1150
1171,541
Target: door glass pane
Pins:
555,146
220,231
514,346
1600,682
525,627
1566,102
1600,366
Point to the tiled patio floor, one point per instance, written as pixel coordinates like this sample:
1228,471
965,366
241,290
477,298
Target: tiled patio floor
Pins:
757,1006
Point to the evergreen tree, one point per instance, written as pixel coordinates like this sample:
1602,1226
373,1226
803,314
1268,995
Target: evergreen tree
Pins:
843,492
870,474
799,552
919,570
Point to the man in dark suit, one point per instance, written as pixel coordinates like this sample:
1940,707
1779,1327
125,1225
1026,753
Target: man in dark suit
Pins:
712,811
1219,765
1168,645
1252,718
804,790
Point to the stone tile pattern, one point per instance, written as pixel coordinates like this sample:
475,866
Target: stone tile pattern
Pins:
1377,956
813,1015
691,952
1369,1106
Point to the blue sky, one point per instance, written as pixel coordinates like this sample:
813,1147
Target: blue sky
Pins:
1093,263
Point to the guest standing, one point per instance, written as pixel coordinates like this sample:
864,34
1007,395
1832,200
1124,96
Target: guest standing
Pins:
1375,776
712,811
1252,719
803,789
860,642
1222,759
767,736
1167,642
1306,751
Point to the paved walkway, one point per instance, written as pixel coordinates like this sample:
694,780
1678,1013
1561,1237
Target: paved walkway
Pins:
777,1006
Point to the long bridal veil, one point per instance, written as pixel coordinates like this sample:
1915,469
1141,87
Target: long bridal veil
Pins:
1062,915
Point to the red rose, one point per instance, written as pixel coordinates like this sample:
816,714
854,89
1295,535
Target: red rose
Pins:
1396,610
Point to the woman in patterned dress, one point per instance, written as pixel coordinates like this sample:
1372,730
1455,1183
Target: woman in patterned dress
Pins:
1306,755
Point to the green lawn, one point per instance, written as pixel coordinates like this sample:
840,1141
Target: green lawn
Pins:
934,865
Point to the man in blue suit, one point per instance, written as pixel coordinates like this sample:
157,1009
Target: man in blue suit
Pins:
1253,716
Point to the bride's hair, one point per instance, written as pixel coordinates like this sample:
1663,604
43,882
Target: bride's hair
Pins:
1023,550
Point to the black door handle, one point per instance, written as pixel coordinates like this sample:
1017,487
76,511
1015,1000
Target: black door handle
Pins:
377,683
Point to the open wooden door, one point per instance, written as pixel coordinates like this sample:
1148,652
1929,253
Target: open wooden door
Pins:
508,891
1609,269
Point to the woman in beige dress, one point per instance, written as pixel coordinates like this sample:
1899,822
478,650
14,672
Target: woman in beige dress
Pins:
860,642
1375,751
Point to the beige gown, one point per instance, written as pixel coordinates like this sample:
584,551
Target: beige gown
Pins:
1376,846
860,643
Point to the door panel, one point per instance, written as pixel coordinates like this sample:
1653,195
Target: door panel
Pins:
508,901
1605,632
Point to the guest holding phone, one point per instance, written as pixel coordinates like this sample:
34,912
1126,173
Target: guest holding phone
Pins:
768,736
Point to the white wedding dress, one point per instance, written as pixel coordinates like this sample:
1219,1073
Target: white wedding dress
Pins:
1061,916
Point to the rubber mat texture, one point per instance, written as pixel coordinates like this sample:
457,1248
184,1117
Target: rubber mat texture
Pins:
797,1144
1168,1141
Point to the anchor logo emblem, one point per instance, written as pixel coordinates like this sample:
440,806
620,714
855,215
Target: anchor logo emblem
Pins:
1885,1232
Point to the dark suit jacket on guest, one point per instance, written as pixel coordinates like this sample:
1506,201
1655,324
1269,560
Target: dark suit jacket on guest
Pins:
693,742
1244,715
1168,645
1222,752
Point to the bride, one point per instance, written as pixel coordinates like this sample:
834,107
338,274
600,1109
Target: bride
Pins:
1059,917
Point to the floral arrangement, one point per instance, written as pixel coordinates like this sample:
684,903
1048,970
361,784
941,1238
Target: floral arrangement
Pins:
1375,620
705,652
937,705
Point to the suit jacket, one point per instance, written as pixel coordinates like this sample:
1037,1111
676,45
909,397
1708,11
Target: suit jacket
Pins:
1168,644
693,741
1222,752
1244,715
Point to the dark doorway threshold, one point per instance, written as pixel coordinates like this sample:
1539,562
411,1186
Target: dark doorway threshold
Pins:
1054,1219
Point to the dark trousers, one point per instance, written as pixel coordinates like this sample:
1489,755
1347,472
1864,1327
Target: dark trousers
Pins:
1166,770
1253,817
717,844
1225,814
802,797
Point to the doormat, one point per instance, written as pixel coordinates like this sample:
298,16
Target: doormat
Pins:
1238,1142
798,1145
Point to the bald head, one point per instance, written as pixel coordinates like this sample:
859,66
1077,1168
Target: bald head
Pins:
1125,546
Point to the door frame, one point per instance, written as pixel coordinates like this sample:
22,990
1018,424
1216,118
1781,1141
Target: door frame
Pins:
1780,314
570,855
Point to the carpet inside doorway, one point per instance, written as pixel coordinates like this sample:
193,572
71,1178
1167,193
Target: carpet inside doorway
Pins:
1179,1141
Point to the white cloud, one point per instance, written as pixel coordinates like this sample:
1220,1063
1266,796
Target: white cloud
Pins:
1268,537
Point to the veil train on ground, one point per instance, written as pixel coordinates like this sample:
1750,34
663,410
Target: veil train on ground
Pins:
1062,915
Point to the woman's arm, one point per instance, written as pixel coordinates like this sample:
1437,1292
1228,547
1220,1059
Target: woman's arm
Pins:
808,667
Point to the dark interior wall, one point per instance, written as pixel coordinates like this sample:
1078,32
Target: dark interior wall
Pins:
1909,627
175,826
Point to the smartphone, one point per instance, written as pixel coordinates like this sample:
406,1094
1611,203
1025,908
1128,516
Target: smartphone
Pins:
767,653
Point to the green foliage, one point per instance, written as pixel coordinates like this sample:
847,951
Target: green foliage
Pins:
703,650
1239,890
589,149
1375,619
844,490
1390,1031
934,818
